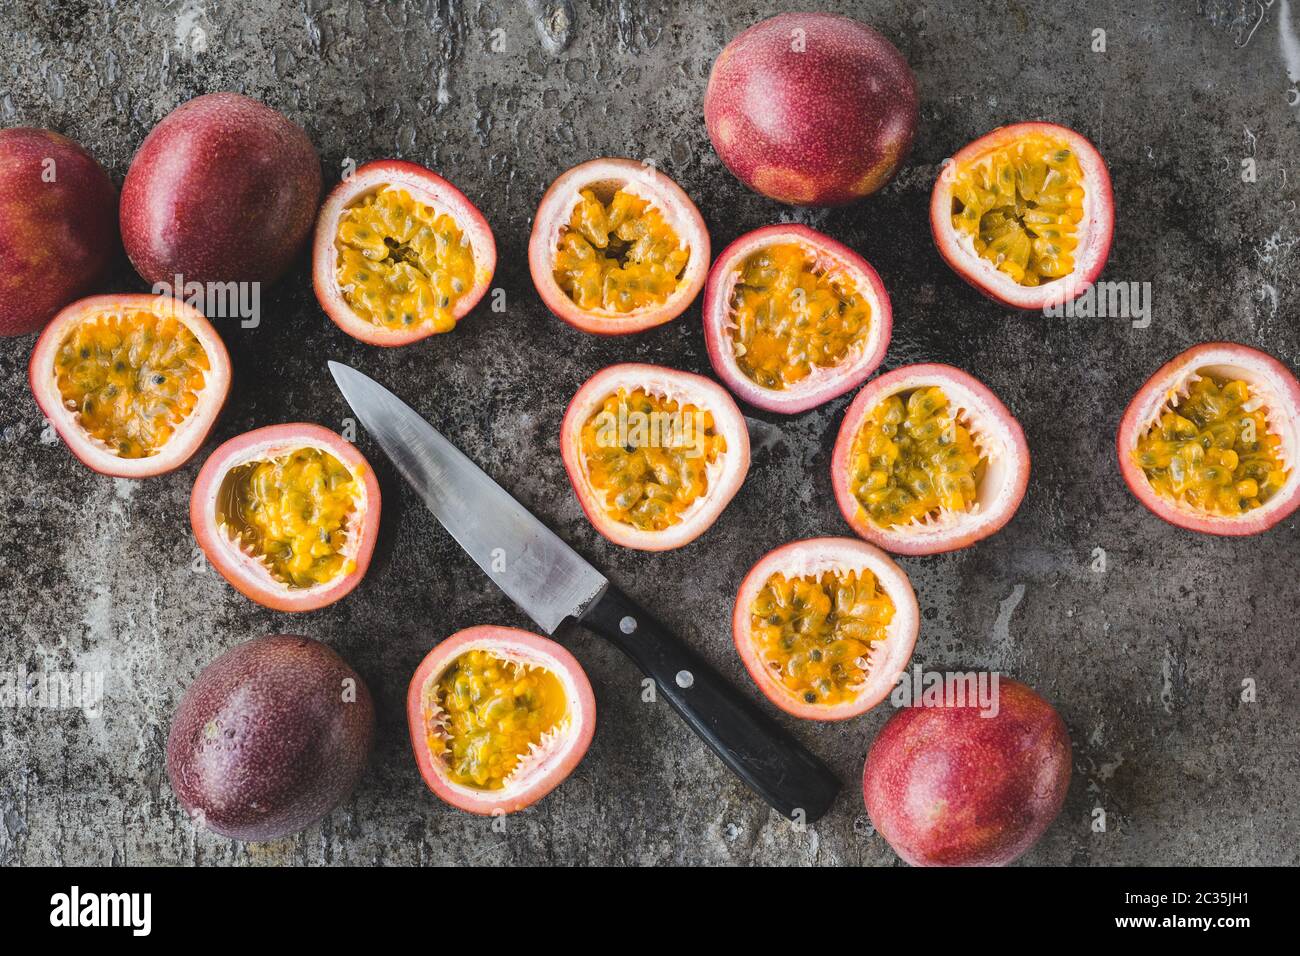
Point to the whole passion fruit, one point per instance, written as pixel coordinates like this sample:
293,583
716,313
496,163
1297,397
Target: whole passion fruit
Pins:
270,737
964,785
617,247
825,626
498,718
812,109
1211,441
400,254
288,514
58,226
1025,214
654,454
223,189
132,383
793,318
928,460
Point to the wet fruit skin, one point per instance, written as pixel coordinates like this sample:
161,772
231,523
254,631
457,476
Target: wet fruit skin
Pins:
269,738
1269,462
57,238
294,512
812,109
487,706
223,189
946,786
821,384
95,355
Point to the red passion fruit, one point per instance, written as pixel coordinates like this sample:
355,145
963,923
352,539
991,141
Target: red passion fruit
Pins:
825,626
928,460
654,454
223,189
1025,214
58,226
400,254
1211,441
812,109
288,514
132,383
499,717
967,785
617,247
793,318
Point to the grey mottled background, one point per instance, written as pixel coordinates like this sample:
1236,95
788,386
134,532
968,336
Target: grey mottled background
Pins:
1144,661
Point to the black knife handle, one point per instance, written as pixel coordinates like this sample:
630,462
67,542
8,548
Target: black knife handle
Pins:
758,749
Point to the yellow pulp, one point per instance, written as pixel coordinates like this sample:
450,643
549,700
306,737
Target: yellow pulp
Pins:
650,456
618,256
791,314
495,710
294,510
1022,203
815,633
402,263
914,457
132,377
1210,453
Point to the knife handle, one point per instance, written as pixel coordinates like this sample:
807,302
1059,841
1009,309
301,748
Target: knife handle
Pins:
758,749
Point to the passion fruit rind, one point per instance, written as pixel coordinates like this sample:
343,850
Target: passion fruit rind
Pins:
617,247
952,472
1211,441
835,341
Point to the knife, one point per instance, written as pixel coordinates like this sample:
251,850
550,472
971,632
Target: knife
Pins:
552,583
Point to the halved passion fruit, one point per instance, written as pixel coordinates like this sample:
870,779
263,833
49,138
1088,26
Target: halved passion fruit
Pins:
132,383
400,254
793,318
1212,440
288,514
617,247
825,626
1025,214
498,718
928,460
654,454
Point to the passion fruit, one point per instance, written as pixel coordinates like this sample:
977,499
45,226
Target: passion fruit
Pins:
966,786
132,383
928,460
400,254
58,226
499,718
288,514
617,247
654,454
825,626
793,318
1025,214
223,189
270,738
1210,442
812,109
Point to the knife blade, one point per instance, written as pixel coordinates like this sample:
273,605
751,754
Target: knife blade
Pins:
551,582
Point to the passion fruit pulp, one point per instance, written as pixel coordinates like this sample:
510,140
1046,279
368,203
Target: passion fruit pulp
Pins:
825,626
1210,441
288,514
400,254
793,318
654,455
498,718
617,247
132,383
928,460
1025,214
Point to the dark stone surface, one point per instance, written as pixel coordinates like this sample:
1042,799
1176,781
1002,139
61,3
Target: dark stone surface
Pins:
1145,660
